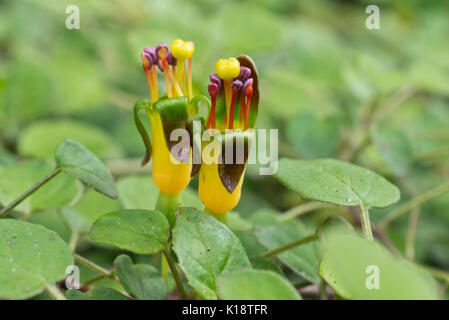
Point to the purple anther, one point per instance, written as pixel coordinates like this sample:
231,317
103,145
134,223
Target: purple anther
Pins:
161,53
161,50
247,84
214,78
213,89
245,73
237,84
146,61
171,60
151,52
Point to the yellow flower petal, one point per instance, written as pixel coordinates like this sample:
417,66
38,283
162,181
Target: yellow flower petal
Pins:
212,192
170,175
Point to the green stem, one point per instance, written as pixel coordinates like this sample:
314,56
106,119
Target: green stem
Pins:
168,205
289,245
413,203
366,224
74,240
97,278
175,274
223,218
323,291
164,268
54,292
93,266
411,235
303,208
27,193
440,274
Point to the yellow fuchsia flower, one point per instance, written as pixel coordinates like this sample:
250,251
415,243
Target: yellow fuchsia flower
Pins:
171,172
234,99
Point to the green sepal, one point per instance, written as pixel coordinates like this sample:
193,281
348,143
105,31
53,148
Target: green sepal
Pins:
174,115
246,61
193,104
143,104
231,173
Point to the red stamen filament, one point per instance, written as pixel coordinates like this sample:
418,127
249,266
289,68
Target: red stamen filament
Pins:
249,91
242,109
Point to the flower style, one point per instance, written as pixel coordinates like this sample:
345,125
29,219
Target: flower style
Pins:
234,105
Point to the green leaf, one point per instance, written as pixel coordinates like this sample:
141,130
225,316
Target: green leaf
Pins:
255,285
303,259
206,249
142,281
336,182
139,231
60,191
41,139
75,160
31,257
395,149
346,264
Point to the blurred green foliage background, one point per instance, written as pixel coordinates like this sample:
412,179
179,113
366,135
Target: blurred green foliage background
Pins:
378,98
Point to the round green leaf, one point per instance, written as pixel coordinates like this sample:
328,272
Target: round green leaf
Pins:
142,281
352,265
41,139
336,182
206,249
255,285
31,257
75,160
139,231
